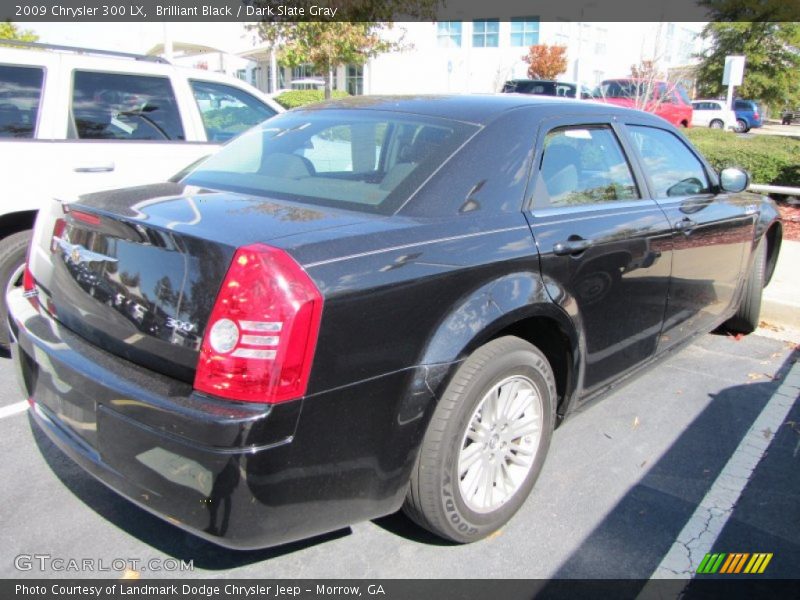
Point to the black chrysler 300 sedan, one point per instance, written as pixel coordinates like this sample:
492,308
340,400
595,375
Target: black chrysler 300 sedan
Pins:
376,303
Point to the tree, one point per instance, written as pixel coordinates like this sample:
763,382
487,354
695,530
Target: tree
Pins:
646,69
642,90
772,60
353,38
326,45
9,31
546,62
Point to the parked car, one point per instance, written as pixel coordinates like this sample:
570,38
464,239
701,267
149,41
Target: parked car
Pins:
320,345
789,116
667,100
748,115
714,114
74,120
541,87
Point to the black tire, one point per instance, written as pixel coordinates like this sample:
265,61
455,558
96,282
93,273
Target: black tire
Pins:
435,500
746,318
716,124
13,250
742,126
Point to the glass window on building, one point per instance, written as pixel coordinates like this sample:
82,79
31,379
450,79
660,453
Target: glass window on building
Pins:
524,31
304,77
355,80
254,75
448,34
486,33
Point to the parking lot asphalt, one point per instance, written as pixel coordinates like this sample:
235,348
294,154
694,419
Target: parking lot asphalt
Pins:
623,479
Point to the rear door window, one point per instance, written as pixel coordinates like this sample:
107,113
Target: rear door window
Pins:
583,165
117,106
672,168
20,95
226,110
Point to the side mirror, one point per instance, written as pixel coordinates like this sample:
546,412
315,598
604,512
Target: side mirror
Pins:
734,180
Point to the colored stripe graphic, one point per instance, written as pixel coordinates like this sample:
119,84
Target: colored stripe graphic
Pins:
758,563
711,563
734,563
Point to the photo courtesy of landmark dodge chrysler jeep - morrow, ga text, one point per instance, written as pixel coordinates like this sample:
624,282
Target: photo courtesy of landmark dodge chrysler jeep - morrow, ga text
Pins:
376,303
76,120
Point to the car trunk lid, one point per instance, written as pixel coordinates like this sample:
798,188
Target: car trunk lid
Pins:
136,272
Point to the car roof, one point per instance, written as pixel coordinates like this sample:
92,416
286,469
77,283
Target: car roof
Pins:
523,80
473,108
121,62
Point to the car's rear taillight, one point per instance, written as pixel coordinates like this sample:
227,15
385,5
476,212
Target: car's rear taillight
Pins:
755,116
29,290
28,284
260,339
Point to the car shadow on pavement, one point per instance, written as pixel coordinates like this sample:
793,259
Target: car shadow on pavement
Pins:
402,526
151,530
640,530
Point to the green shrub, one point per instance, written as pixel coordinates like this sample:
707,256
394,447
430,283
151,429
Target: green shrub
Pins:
770,159
295,98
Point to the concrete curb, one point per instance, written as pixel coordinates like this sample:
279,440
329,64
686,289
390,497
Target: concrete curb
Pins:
780,303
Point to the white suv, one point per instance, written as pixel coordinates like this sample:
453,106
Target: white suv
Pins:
74,121
712,113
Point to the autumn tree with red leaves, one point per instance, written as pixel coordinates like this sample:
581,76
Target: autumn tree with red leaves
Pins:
546,62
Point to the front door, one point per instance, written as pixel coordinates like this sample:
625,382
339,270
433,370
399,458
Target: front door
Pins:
712,233
605,249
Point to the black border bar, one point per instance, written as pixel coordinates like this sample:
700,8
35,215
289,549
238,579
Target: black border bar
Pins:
397,10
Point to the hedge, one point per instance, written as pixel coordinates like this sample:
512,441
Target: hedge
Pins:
770,159
295,98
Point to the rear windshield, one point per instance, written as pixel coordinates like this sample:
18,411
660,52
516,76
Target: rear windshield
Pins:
541,88
632,88
364,160
621,89
745,105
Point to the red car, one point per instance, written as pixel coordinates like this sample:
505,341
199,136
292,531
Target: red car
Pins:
667,100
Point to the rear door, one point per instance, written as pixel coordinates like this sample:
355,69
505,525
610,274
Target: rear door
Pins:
27,81
701,115
125,129
712,231
605,248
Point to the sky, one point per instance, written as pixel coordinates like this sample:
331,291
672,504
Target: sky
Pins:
140,37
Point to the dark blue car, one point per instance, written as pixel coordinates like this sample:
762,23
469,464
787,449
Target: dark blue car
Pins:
747,115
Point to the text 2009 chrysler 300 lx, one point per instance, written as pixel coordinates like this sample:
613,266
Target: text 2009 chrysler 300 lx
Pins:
376,303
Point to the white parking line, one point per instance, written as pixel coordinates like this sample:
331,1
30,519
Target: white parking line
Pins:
713,512
13,409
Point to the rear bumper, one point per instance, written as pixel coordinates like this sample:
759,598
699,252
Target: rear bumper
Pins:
241,475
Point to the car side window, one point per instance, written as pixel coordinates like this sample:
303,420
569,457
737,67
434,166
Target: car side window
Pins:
583,165
673,169
20,94
116,106
226,110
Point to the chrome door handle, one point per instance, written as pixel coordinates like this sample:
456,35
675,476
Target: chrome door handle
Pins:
101,168
685,225
572,246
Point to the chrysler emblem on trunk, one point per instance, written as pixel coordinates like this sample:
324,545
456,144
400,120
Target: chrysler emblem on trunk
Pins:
77,254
